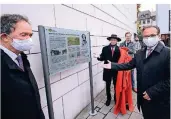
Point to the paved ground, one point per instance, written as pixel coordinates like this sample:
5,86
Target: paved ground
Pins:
104,112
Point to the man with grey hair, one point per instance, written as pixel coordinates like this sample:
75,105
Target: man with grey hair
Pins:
19,90
153,75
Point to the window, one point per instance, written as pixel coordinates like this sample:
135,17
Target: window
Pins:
153,18
143,21
148,21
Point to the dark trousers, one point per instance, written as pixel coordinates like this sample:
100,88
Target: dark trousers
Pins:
155,110
108,84
132,79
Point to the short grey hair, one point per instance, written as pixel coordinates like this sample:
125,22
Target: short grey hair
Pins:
151,26
8,22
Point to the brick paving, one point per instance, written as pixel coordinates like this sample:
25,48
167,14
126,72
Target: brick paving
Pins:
104,112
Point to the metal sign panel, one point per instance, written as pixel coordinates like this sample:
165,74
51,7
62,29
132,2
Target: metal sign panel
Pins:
62,49
66,48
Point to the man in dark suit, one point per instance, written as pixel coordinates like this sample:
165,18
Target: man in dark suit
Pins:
111,53
153,75
19,91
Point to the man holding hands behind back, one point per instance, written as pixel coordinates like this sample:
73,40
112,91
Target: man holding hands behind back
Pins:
19,91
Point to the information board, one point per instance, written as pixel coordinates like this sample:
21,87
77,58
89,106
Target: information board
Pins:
66,48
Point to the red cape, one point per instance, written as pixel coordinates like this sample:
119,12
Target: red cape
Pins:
123,86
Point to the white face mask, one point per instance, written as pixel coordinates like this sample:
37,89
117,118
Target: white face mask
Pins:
151,41
22,45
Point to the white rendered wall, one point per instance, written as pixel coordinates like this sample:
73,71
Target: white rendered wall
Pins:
162,17
70,89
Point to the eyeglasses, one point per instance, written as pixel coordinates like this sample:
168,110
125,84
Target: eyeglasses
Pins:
150,36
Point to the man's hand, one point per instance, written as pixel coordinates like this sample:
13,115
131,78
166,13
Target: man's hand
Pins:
146,96
95,55
107,66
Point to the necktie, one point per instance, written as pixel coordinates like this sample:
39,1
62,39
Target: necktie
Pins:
112,51
127,44
20,61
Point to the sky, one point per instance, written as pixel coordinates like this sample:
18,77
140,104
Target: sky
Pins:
151,7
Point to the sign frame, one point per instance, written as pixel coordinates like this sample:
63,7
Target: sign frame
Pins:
44,55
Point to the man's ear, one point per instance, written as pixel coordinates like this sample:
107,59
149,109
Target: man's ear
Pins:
159,36
4,37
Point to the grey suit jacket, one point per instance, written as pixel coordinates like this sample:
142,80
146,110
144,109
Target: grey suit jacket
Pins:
131,47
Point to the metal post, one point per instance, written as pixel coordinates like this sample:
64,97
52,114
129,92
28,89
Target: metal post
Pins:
92,112
42,39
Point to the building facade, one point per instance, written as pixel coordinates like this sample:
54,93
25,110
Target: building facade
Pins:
147,18
71,88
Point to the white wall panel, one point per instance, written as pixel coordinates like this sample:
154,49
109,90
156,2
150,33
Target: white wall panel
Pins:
94,26
64,86
99,67
98,5
93,41
83,76
37,14
58,109
73,70
36,42
94,68
86,8
43,97
69,18
99,84
55,77
76,100
36,66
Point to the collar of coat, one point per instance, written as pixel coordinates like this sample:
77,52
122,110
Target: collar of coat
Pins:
158,48
11,64
128,43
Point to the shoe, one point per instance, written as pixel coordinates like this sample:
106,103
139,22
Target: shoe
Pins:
108,102
127,107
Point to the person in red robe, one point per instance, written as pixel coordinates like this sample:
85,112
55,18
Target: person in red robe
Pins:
123,86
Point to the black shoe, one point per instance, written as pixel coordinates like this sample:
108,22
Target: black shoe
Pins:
127,107
108,102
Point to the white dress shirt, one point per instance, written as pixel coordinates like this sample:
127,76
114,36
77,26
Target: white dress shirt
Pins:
12,55
113,48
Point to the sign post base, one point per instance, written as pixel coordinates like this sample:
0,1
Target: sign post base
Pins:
93,114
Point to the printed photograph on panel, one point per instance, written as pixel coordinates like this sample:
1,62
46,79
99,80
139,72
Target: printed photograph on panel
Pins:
84,40
73,41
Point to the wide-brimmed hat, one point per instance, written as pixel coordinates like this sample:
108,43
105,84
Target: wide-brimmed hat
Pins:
114,36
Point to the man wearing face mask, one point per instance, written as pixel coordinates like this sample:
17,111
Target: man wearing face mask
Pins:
112,53
19,91
153,75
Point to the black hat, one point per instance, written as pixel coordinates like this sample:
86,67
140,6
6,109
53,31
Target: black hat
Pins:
114,37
